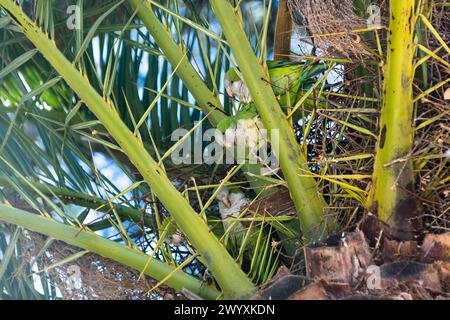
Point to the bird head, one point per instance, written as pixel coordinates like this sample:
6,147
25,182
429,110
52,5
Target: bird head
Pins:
236,87
232,75
230,197
223,197
231,201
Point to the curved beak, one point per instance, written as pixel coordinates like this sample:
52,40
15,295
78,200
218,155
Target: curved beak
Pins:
226,201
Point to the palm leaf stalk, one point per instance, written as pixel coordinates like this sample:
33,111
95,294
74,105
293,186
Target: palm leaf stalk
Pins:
231,279
177,279
206,99
393,179
309,203
126,213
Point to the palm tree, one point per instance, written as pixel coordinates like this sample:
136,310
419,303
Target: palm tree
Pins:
86,118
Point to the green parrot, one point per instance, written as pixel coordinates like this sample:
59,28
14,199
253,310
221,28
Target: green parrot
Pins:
287,79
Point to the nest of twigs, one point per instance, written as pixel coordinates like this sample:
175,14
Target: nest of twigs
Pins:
331,24
432,141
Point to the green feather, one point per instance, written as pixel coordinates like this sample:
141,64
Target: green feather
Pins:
286,76
225,123
248,111
232,75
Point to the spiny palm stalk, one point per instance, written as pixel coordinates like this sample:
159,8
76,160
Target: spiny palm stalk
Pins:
392,194
87,201
230,277
73,129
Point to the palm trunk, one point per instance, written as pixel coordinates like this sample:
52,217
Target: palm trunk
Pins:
304,192
228,274
392,197
283,29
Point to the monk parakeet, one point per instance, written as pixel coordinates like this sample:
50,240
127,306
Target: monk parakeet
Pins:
247,122
231,203
287,80
285,77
